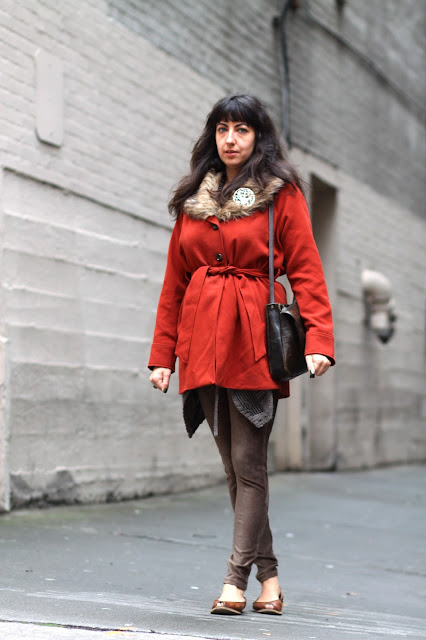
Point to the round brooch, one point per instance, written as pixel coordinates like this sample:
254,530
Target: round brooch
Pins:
244,196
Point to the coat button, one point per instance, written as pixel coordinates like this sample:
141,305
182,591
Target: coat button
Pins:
215,227
219,257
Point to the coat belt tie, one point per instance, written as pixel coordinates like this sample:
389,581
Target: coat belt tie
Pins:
247,301
236,271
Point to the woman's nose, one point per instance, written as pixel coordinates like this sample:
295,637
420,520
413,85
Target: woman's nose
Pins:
230,137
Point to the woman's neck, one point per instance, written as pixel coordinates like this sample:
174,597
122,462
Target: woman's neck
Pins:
230,174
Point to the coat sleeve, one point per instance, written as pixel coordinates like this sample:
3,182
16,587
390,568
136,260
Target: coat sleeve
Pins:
304,270
176,280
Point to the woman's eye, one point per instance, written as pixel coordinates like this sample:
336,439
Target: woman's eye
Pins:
221,129
242,130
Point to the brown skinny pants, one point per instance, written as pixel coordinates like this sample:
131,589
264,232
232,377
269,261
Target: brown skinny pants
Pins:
243,449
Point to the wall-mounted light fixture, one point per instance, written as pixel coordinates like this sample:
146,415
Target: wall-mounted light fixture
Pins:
379,305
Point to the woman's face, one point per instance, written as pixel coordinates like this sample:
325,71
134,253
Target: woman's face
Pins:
235,144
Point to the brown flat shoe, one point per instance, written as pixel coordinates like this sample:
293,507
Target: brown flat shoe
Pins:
226,608
275,607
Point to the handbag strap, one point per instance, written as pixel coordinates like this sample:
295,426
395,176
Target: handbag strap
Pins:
271,254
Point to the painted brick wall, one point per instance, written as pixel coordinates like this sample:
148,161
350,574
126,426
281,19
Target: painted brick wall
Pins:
357,112
361,106
380,398
86,230
85,226
227,42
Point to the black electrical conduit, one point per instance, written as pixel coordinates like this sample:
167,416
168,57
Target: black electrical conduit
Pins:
279,24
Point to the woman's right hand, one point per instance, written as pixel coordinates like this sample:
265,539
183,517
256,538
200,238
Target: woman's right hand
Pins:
160,378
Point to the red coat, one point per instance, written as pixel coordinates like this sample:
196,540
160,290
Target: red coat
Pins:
211,312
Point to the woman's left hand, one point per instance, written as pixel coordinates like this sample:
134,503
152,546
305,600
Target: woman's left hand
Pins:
317,363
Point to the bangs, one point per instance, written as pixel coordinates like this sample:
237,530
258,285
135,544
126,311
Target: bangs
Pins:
236,109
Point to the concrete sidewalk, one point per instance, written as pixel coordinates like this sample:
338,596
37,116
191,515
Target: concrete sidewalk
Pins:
352,551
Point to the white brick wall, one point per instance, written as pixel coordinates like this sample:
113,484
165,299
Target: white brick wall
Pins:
80,285
380,389
370,125
230,42
85,230
85,234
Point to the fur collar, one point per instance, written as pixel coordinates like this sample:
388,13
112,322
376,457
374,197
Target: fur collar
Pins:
201,205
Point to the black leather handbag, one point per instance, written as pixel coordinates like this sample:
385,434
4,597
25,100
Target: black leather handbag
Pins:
285,333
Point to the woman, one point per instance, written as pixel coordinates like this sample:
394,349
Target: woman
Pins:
211,315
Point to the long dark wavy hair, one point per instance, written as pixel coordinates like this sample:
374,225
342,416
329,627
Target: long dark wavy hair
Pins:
268,159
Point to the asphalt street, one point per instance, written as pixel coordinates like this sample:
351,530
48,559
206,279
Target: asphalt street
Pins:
351,547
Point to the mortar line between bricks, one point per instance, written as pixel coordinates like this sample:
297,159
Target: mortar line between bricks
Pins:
86,197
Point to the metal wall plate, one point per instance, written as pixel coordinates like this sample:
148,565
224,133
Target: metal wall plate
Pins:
49,98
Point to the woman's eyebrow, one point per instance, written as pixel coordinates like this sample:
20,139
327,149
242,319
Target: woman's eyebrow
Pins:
237,124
